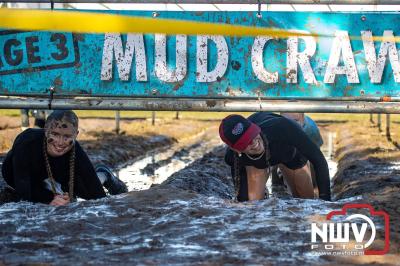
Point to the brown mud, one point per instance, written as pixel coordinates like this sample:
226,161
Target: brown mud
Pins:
369,165
191,217
137,137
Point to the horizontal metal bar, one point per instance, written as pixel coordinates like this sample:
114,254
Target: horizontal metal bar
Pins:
215,97
291,2
216,105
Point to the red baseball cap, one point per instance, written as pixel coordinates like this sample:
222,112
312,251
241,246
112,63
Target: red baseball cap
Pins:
237,132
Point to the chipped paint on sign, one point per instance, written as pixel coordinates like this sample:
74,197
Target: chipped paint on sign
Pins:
137,65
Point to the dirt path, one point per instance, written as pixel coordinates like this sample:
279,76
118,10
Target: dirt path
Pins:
137,138
191,219
369,165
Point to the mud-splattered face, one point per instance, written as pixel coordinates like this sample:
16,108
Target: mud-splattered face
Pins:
60,136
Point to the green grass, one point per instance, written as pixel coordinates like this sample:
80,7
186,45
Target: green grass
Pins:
158,114
136,114
353,117
9,112
197,115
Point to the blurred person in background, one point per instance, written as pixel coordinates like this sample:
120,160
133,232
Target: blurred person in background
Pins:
39,115
308,125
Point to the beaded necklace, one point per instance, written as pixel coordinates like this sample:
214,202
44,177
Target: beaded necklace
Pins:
255,158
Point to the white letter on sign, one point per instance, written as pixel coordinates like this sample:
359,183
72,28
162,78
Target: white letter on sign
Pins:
113,46
161,68
303,58
375,67
257,61
202,58
341,45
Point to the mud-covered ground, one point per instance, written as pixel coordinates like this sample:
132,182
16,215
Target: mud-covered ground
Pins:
137,136
97,136
191,219
369,165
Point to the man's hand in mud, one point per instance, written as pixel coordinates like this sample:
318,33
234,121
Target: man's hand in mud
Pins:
60,200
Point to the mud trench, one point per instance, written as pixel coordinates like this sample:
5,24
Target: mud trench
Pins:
179,211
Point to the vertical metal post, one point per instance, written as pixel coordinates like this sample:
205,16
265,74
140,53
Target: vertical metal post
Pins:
177,115
379,123
117,121
371,118
388,126
153,118
24,119
330,145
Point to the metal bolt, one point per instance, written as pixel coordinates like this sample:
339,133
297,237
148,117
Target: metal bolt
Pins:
363,18
362,92
154,91
155,14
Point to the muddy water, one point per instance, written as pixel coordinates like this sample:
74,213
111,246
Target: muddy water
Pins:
157,166
167,226
187,219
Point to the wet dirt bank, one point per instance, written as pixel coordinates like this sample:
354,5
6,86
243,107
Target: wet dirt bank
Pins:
369,165
137,138
190,218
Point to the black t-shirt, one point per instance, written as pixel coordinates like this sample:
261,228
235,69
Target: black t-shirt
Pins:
24,169
289,145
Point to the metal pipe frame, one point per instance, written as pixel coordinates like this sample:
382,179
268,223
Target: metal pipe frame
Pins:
289,2
208,105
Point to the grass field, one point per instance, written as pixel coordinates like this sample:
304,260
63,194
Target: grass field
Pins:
134,114
197,115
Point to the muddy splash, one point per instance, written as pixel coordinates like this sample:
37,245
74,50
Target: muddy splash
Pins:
189,219
162,226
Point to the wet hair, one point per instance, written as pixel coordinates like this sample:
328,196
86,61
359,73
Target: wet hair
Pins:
62,116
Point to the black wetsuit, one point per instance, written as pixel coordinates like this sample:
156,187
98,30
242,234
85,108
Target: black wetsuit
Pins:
288,145
24,169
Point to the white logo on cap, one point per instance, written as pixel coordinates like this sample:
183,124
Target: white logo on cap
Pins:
238,129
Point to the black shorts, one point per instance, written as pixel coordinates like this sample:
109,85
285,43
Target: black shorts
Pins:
297,161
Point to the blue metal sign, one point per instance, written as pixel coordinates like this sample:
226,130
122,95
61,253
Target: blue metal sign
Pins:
351,63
